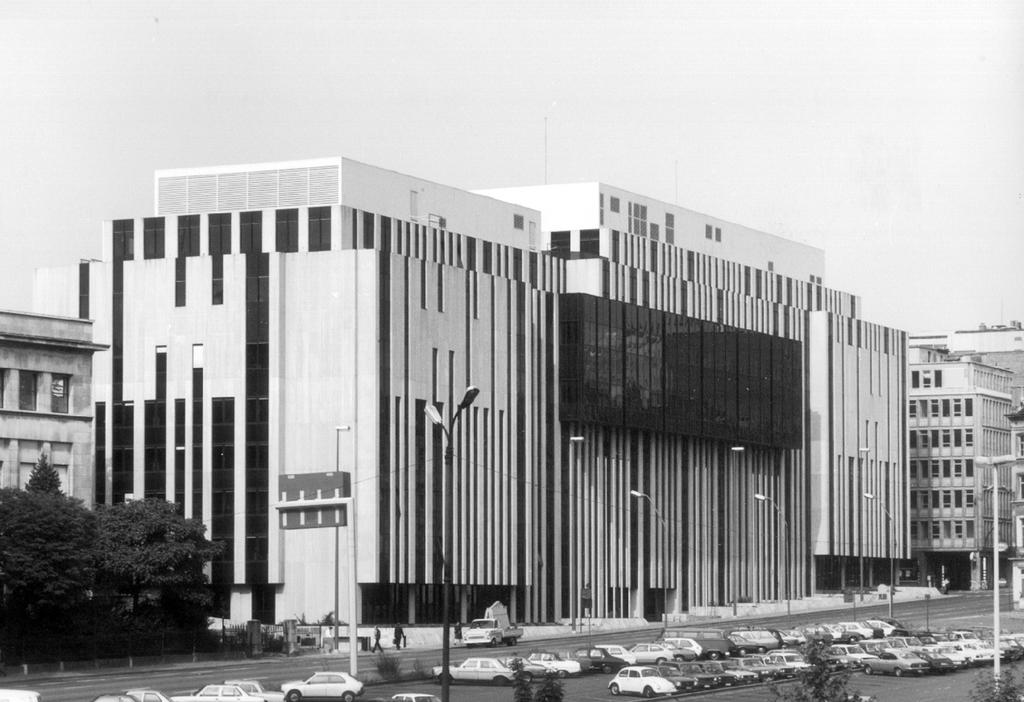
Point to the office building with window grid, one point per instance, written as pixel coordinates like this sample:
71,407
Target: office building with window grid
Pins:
697,362
957,407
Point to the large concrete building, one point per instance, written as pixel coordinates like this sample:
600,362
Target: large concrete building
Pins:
957,412
46,406
694,361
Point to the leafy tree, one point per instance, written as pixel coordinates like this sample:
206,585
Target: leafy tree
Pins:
149,553
1009,689
550,690
44,477
46,546
521,691
818,683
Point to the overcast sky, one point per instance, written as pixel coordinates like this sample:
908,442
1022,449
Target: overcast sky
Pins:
887,133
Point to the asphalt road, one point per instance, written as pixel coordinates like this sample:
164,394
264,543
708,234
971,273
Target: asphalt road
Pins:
967,610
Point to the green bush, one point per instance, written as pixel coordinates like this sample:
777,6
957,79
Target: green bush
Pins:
388,666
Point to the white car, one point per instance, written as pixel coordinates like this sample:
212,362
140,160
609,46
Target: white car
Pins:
689,648
618,652
980,652
414,697
18,696
647,653
858,629
217,693
148,695
552,661
960,658
640,680
852,655
254,688
339,686
788,660
476,670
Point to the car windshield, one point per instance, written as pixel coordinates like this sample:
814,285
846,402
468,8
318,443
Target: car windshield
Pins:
481,624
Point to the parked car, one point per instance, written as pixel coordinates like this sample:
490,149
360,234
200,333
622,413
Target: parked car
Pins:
790,661
817,632
106,697
686,649
531,669
713,642
674,674
705,680
597,660
641,680
846,656
217,693
560,666
888,627
478,670
147,695
730,676
978,651
656,653
320,685
936,661
790,637
254,688
855,631
959,657
899,663
753,665
414,697
18,696
618,652
753,641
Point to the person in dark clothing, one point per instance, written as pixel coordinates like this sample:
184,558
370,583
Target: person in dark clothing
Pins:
399,636
376,640
458,633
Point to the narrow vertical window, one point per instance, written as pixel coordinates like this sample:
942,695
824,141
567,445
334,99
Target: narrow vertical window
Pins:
179,282
219,234
27,386
153,237
319,228
250,235
60,386
188,235
218,280
287,231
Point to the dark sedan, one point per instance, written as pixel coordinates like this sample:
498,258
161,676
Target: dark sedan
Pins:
597,660
705,680
936,661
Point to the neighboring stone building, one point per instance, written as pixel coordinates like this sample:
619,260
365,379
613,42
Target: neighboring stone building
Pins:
957,412
46,402
1016,419
701,362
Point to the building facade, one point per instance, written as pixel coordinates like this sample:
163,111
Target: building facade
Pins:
46,406
957,412
695,362
1016,419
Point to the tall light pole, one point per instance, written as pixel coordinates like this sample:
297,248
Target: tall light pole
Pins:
994,463
733,543
352,554
863,451
446,587
573,518
664,552
892,552
785,547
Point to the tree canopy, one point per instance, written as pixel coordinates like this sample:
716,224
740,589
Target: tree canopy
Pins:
44,477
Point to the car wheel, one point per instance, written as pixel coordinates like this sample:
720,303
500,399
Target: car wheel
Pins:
762,649
527,676
348,696
562,673
606,668
898,672
511,642
648,692
660,661
500,680
613,688
868,670
714,655
494,642
293,696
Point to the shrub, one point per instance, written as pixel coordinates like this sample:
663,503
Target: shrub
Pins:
388,666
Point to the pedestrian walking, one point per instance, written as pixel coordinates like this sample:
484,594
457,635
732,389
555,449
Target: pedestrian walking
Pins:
458,633
376,640
399,636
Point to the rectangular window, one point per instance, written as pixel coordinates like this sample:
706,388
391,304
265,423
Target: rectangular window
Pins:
912,409
718,233
655,234
487,257
947,498
27,385
188,235
517,221
179,282
936,468
933,408
670,228
423,285
287,231
218,280
590,242
369,233
915,379
219,233
936,530
709,231
958,498
938,379
968,438
945,408
968,499
968,467
153,237
320,229
60,386
250,239
613,204
440,288
968,407
124,239
958,529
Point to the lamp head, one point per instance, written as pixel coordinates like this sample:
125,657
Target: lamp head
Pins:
433,415
575,439
864,449
467,399
759,497
635,493
869,495
738,449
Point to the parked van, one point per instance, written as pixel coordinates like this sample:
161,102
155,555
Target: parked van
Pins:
754,640
714,643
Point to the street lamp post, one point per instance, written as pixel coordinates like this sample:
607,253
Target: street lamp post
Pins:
664,550
446,587
892,553
863,451
573,517
337,551
994,463
785,547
